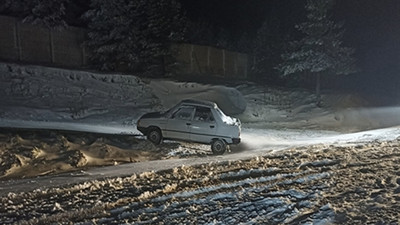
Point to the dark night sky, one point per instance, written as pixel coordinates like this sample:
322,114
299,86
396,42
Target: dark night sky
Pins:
372,28
239,17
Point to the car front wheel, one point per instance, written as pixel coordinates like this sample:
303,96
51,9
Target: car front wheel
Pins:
154,136
218,147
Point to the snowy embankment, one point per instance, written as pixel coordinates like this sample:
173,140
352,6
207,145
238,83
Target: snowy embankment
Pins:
51,98
272,118
40,97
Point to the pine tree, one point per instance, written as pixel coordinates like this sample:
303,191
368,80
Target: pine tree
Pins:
132,34
200,33
223,39
320,51
49,13
245,43
267,49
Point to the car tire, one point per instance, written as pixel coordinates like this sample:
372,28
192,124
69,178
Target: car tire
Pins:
218,147
155,136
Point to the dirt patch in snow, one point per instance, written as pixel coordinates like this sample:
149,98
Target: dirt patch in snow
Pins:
30,153
321,184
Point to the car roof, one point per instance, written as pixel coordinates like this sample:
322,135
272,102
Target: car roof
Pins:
198,103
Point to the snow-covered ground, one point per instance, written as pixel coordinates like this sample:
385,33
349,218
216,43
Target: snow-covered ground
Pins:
308,185
41,97
255,183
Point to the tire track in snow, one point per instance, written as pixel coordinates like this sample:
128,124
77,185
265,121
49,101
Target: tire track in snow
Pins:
357,184
253,189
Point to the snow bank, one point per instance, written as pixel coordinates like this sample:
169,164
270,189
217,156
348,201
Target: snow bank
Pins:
267,105
51,98
39,96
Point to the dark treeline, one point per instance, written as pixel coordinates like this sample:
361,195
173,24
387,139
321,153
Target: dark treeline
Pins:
135,34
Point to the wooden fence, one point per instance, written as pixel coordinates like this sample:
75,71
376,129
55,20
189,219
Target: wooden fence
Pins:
38,45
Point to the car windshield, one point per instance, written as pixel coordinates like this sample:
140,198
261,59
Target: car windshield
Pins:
226,119
170,110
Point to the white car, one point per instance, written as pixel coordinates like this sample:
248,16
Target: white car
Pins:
194,121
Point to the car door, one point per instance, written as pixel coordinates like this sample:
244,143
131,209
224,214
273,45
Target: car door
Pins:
203,125
179,124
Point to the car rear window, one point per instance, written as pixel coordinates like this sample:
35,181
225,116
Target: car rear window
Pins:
226,119
203,114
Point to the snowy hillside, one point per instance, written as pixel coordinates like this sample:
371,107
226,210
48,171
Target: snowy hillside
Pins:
34,96
42,97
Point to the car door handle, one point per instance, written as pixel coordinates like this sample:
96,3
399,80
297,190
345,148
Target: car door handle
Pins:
212,126
188,124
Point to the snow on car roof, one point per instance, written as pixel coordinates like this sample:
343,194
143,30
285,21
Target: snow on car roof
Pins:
198,102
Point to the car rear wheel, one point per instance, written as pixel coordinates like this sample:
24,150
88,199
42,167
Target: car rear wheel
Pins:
155,136
218,147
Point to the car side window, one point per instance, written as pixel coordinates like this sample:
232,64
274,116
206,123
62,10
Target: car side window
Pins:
184,113
203,114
